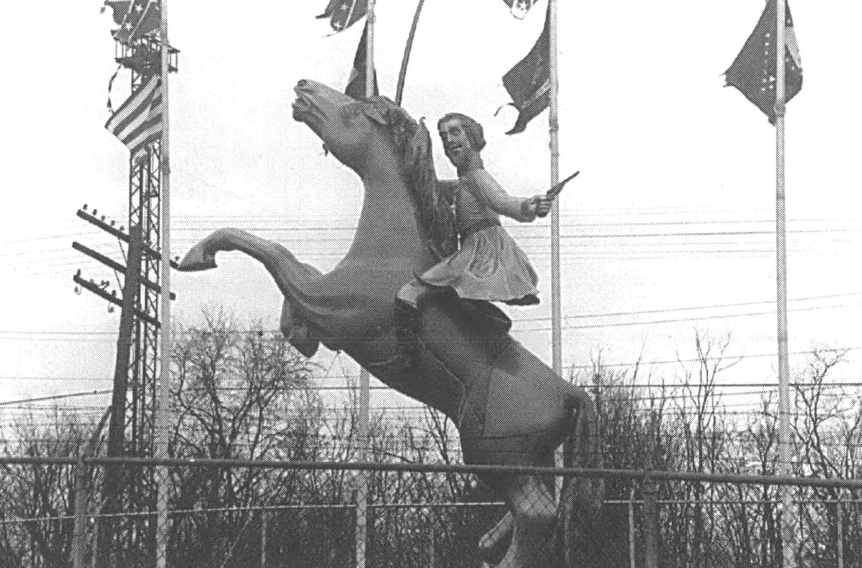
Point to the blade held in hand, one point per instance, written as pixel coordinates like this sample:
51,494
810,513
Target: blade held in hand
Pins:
555,191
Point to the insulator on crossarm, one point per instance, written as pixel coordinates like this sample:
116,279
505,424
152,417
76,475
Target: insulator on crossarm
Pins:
85,207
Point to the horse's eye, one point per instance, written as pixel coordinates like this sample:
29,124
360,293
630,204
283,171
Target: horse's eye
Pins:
350,112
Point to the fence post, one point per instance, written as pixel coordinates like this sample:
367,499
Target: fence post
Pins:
263,519
432,555
632,528
79,535
650,514
839,510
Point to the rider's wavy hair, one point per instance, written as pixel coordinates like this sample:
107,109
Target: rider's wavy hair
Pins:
474,130
412,142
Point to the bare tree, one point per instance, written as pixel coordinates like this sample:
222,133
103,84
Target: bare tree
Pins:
233,389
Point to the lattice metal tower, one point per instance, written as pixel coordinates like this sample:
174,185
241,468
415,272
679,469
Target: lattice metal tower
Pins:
143,58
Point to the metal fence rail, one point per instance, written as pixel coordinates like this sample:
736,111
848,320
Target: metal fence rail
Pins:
301,514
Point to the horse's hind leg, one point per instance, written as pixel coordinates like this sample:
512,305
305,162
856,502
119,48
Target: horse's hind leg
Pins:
493,545
533,515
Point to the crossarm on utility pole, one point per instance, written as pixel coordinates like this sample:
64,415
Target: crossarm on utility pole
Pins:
91,287
113,264
121,235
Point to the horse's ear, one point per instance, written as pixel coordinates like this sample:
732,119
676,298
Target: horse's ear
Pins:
419,145
373,113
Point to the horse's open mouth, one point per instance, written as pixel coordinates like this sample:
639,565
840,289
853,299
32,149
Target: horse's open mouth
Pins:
301,107
304,107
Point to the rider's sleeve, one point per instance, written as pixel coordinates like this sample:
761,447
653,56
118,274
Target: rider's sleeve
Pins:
494,196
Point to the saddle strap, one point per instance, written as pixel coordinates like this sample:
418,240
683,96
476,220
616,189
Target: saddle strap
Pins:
471,230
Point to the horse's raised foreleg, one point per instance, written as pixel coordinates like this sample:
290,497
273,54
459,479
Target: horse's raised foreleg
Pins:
296,331
296,280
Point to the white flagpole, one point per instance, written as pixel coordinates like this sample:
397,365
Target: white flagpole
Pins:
554,143
554,127
364,379
164,410
785,468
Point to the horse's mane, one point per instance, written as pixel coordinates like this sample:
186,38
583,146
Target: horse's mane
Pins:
412,141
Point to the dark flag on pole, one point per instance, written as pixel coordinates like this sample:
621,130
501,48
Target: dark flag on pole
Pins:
136,18
753,70
520,7
529,82
344,13
356,82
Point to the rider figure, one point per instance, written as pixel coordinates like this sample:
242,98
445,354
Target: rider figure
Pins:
488,265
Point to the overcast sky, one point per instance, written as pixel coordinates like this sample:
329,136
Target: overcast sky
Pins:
677,179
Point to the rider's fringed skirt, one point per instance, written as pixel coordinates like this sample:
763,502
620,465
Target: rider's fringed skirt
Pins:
489,266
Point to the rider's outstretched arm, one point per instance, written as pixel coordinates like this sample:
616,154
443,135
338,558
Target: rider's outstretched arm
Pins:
494,196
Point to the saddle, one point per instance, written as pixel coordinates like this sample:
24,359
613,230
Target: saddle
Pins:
486,317
482,318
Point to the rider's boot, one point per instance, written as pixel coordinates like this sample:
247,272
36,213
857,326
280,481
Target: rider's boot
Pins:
408,303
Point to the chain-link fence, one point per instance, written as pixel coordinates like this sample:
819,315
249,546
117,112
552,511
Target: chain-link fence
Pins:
305,515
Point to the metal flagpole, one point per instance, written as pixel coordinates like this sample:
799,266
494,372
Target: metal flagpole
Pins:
402,75
163,416
364,388
554,127
554,143
785,469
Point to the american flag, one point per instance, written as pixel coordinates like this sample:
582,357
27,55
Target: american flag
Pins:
136,18
753,70
138,121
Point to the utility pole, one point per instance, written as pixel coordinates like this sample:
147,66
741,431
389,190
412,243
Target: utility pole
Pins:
113,484
142,48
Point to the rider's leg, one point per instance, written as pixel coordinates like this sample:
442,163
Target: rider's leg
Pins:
407,306
411,293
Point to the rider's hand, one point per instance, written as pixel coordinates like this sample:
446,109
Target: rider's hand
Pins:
542,205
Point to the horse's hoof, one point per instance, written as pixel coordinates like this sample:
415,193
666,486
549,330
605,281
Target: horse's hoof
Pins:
299,338
196,260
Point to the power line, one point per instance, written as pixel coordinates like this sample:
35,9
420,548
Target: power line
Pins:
515,320
54,397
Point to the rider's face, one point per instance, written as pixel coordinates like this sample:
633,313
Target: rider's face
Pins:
456,143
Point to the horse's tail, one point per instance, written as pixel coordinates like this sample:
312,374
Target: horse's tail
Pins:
581,498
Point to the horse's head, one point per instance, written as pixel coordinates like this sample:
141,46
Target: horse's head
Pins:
376,129
339,120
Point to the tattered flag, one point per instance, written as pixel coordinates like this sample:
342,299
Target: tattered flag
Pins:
118,9
520,8
138,121
356,82
111,86
344,13
529,81
754,69
136,18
